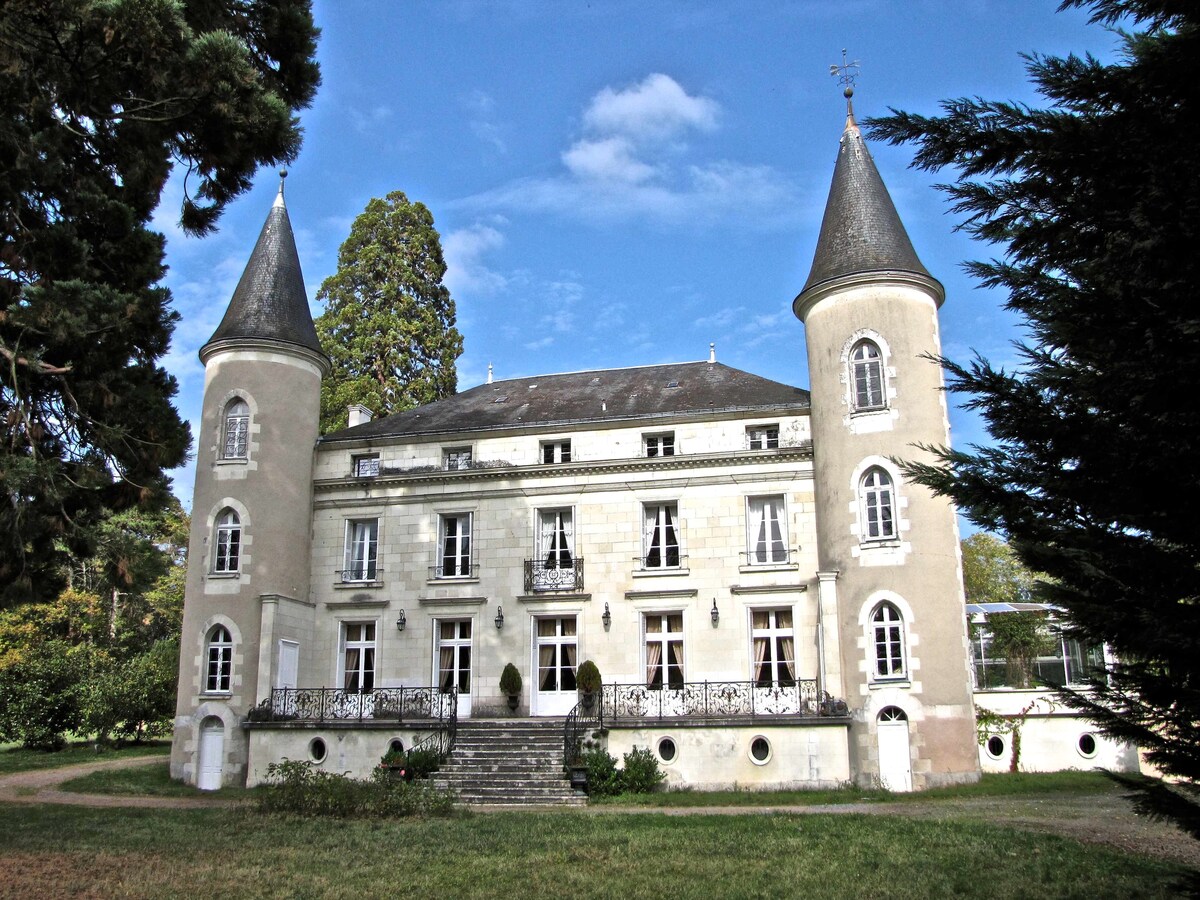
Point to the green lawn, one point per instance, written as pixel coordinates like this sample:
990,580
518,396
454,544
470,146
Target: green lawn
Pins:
14,758
150,780
235,852
1006,785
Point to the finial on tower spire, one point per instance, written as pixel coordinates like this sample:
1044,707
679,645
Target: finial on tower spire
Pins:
846,74
279,196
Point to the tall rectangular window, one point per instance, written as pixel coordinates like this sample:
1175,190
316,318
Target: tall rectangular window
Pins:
877,499
556,452
762,437
774,646
766,531
236,428
454,656
664,650
220,661
358,657
362,548
866,369
659,444
227,558
660,536
454,546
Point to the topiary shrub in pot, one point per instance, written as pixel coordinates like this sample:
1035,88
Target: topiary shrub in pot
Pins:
587,679
510,684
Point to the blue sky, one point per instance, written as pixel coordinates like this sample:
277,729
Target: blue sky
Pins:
621,183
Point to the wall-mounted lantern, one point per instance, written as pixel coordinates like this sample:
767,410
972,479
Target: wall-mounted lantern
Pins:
499,617
716,613
401,621
606,618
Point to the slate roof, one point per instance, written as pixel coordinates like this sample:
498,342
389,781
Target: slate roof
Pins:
597,396
270,303
861,231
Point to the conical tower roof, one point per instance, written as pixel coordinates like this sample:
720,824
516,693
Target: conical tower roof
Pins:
861,232
270,303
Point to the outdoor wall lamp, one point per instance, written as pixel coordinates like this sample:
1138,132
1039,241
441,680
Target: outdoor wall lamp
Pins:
499,617
401,621
716,613
606,617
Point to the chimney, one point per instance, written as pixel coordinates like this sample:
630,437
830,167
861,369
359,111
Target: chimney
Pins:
359,415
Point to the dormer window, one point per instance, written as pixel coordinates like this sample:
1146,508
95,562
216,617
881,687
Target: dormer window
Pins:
456,458
762,437
556,452
659,444
365,465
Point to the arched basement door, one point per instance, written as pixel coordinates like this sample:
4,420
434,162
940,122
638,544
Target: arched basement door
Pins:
212,754
895,765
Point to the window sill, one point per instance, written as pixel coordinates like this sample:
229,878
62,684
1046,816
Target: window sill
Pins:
878,683
216,695
869,410
224,575
238,461
356,585
769,567
882,544
659,573
454,579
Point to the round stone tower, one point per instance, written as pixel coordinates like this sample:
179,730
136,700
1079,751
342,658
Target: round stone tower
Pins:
887,547
248,553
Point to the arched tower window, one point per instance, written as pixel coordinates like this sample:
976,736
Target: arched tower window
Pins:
219,661
228,556
887,629
235,427
866,370
877,497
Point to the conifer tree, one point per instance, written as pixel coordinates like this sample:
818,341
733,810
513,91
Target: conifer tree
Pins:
98,100
388,324
1094,202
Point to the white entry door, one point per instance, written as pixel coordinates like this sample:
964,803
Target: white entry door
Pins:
895,765
289,664
453,658
555,648
212,755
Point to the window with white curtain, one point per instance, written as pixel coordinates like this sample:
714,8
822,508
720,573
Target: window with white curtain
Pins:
218,677
660,536
556,539
887,629
866,369
454,655
358,657
227,556
877,501
362,550
774,645
454,546
664,650
766,531
234,429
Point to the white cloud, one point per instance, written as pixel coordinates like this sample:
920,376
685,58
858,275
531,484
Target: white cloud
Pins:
610,159
367,120
632,162
656,109
481,118
464,250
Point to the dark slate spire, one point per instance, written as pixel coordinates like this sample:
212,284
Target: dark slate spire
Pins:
861,231
270,303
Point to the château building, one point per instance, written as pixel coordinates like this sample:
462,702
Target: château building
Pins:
770,602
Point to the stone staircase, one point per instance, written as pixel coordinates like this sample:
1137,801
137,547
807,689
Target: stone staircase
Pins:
509,762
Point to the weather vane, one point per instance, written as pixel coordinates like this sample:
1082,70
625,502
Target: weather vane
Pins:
846,74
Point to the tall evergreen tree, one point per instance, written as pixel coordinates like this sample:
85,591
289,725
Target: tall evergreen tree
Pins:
98,100
1093,477
388,324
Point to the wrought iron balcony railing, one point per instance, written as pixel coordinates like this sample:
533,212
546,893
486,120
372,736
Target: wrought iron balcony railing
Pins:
359,575
540,576
769,556
716,700
455,569
657,562
403,704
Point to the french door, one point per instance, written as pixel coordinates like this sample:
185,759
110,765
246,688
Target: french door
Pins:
453,659
555,656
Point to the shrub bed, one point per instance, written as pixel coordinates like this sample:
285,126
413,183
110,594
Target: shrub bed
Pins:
297,788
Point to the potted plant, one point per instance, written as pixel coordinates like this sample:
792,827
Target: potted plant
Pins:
587,679
510,684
